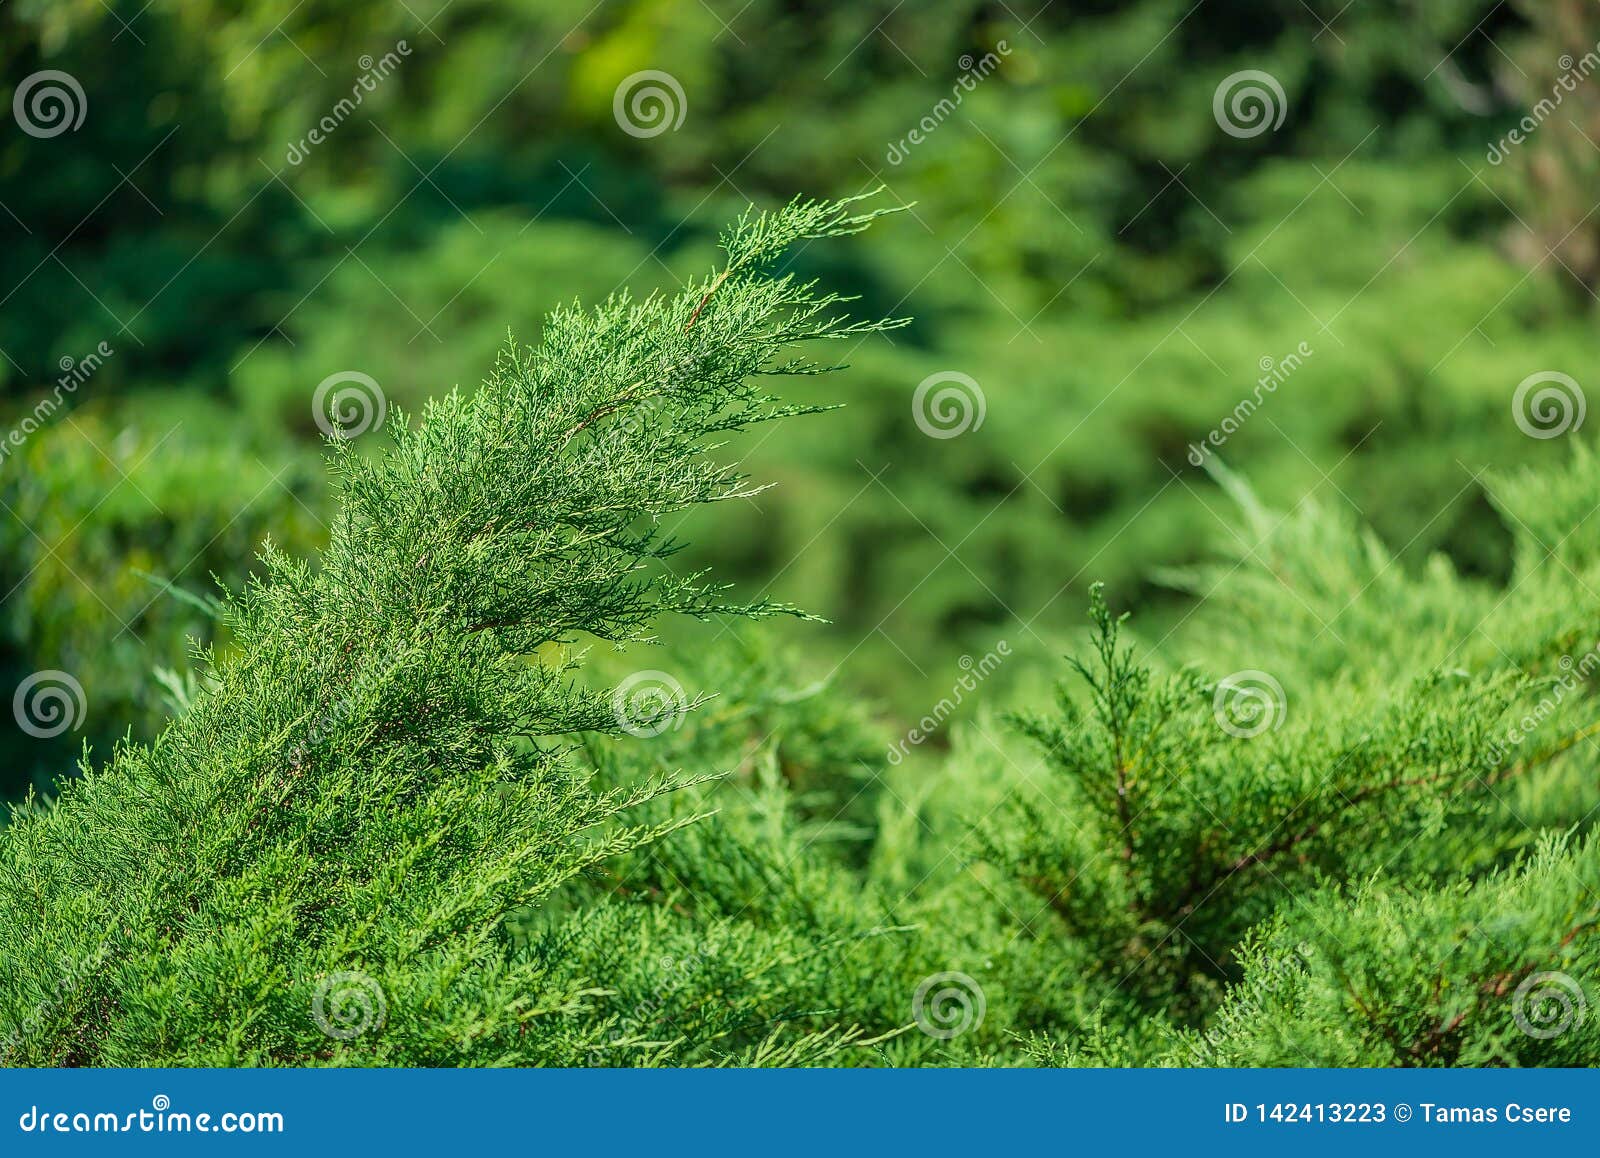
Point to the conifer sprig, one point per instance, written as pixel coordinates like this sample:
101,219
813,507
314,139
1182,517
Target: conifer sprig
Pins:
374,776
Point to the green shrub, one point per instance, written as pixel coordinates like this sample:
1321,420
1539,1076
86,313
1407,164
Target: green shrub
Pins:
394,824
374,778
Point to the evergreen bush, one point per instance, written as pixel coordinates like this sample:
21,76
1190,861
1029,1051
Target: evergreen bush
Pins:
397,819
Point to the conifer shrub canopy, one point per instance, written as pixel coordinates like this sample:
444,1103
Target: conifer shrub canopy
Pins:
398,819
336,830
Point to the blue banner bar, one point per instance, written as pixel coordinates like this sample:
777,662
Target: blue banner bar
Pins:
802,1112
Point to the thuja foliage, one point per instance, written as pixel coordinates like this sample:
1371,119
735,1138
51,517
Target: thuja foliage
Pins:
402,818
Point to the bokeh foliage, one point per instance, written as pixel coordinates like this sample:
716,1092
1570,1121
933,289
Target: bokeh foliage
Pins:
1082,200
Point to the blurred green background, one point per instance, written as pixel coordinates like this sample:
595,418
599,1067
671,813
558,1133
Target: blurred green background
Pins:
1109,259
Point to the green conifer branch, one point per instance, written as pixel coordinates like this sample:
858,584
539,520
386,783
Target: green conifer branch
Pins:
374,776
